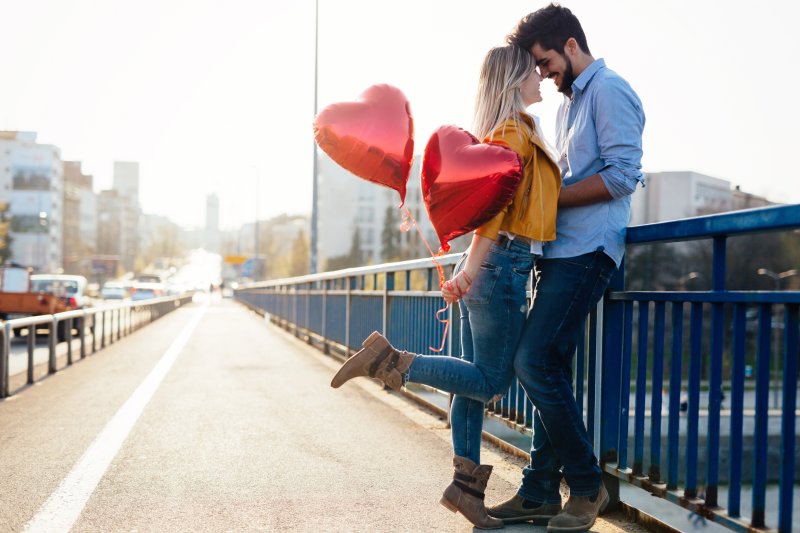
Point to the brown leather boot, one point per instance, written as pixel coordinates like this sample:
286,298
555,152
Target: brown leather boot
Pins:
579,512
377,359
465,493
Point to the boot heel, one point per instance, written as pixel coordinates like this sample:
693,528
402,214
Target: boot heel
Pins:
448,504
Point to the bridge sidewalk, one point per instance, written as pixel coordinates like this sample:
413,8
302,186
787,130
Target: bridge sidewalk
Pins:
243,434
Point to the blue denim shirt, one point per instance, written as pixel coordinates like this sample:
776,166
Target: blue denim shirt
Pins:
599,131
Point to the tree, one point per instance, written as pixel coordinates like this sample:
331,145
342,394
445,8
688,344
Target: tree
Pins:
300,255
5,234
390,237
354,258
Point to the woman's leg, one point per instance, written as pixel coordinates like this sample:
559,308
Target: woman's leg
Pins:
494,313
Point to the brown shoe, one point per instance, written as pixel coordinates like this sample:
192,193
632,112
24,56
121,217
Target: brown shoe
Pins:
580,512
465,493
517,509
377,359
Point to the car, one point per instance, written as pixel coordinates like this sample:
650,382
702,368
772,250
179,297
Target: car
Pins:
114,291
70,288
146,291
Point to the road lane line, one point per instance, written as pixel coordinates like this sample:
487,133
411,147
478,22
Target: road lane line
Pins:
65,505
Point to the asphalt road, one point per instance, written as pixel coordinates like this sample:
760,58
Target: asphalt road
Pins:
210,419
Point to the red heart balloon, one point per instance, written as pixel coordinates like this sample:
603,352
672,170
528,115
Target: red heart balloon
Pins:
373,138
466,183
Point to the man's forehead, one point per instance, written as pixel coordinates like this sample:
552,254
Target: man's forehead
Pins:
539,53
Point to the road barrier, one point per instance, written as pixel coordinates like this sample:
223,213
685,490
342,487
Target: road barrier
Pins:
106,324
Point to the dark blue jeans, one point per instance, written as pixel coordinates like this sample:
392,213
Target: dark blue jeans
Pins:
565,291
492,315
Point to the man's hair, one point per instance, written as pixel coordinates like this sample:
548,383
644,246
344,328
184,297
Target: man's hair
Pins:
550,27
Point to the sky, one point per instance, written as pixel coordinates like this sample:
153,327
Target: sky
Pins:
218,97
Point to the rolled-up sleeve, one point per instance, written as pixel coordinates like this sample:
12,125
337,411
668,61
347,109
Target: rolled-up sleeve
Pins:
620,122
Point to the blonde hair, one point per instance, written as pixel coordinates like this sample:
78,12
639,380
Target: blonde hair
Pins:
499,99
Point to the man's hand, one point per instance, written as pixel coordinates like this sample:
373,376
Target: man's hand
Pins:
454,289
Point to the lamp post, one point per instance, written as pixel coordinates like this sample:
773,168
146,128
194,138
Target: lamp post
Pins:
312,267
777,278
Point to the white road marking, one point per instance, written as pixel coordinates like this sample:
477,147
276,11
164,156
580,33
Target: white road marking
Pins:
65,505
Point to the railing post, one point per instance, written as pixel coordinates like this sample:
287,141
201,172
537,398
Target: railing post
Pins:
4,363
610,365
350,283
52,341
715,374
324,326
31,343
82,332
388,286
68,338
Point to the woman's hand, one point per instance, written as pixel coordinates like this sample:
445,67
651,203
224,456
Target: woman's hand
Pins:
454,289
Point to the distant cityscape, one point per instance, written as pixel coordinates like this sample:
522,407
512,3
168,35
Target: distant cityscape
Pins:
51,219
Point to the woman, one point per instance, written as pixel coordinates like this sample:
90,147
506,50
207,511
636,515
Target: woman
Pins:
490,280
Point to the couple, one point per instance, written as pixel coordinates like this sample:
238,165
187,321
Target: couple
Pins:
573,254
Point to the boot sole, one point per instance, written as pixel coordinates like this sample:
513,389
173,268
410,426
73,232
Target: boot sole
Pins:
535,519
603,507
450,506
340,378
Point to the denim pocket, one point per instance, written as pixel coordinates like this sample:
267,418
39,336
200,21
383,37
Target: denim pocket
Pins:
480,292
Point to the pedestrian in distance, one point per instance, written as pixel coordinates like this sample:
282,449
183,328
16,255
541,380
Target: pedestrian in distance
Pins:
489,283
599,142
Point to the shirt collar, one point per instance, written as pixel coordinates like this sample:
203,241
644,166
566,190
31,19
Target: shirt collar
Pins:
586,76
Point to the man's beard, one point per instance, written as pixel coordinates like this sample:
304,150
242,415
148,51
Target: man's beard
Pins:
567,78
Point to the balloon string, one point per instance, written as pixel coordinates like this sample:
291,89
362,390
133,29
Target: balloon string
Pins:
408,221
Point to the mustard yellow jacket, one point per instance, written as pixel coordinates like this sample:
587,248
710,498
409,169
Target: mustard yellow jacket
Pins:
532,212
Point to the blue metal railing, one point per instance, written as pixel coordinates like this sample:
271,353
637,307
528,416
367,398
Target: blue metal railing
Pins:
645,358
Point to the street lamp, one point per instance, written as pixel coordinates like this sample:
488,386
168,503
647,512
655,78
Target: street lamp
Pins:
681,282
776,277
312,256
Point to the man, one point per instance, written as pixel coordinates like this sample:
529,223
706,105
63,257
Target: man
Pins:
599,139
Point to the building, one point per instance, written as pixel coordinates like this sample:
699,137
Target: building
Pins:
31,181
675,195
212,224
109,223
126,185
348,204
80,220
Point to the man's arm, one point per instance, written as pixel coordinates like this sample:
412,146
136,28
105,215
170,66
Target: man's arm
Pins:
591,190
619,121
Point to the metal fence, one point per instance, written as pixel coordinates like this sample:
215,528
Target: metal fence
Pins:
105,324
663,410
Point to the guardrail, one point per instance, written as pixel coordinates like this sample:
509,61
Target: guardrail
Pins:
337,310
106,324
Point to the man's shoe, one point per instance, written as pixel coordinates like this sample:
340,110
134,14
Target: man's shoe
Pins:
377,359
465,494
579,512
517,509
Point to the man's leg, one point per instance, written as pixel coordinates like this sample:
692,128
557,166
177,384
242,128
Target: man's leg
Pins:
566,290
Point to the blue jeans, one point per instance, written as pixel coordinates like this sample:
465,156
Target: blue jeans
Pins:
565,291
492,315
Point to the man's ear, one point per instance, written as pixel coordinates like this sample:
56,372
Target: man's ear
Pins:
571,47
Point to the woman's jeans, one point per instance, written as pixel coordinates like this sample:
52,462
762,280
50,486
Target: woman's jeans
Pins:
493,312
